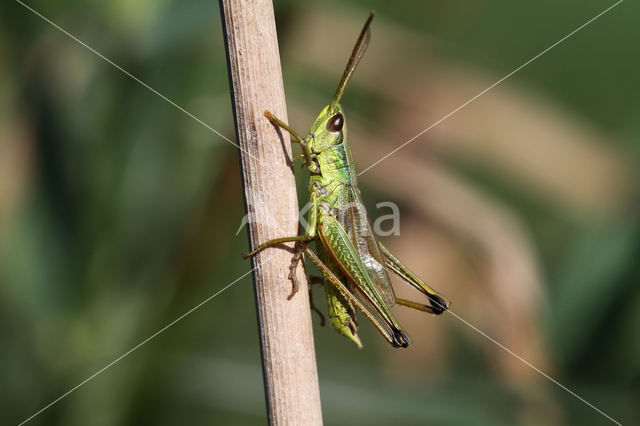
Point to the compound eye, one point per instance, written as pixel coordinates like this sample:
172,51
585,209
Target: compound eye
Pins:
335,123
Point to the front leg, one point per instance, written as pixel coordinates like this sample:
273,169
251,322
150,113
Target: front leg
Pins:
307,154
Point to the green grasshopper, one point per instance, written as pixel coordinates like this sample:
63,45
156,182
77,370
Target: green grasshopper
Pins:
353,262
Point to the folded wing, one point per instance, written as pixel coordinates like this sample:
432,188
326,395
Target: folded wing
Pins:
353,217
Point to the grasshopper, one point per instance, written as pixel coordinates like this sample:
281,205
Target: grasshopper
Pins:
352,261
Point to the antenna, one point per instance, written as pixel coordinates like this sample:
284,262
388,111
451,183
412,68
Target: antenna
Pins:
354,60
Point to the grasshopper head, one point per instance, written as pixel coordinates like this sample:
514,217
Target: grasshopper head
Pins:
329,128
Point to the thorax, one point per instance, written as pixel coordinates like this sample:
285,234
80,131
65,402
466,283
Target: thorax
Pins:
336,171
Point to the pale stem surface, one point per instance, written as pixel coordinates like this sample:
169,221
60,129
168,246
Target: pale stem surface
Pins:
288,354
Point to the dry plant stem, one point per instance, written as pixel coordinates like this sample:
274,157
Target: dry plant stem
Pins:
288,355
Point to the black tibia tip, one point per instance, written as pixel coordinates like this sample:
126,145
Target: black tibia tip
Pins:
400,339
438,304
335,123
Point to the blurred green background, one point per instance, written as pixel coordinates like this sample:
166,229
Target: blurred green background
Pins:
118,212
